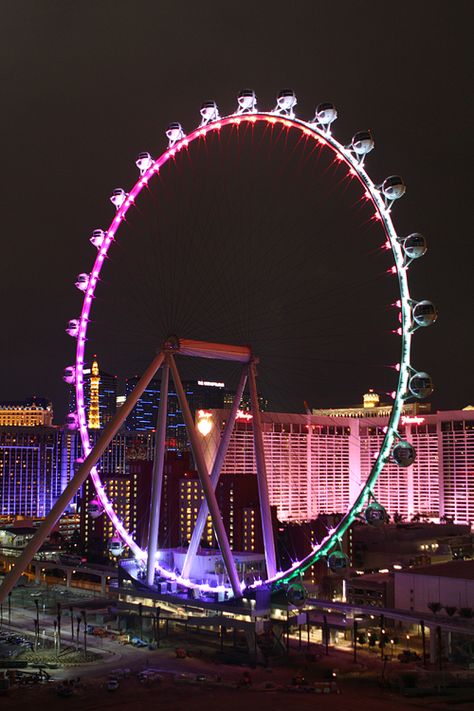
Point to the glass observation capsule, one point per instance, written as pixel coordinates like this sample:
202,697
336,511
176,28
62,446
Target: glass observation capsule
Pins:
71,421
425,313
338,562
326,113
95,508
118,197
393,187
116,546
403,454
296,594
375,514
143,162
82,281
174,133
69,375
72,328
97,238
414,245
286,100
247,101
421,385
362,143
209,111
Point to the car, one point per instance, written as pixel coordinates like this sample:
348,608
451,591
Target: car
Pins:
137,642
149,676
112,685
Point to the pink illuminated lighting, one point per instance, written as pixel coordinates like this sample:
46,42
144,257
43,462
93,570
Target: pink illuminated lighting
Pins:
412,420
243,416
370,193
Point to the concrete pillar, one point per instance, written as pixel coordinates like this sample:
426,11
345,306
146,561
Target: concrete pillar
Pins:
447,644
37,570
433,644
68,577
103,582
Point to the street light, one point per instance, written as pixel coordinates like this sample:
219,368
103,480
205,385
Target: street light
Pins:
37,623
408,642
59,626
354,636
84,616
78,618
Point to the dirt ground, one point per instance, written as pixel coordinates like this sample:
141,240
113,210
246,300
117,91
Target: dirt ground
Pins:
132,695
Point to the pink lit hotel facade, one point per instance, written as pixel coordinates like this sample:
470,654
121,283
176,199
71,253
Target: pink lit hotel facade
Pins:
317,463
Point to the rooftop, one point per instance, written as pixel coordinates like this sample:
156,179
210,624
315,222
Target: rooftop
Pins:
461,569
20,530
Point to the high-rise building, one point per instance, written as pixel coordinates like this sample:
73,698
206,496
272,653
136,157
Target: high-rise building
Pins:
372,407
93,415
200,394
144,414
312,466
237,498
36,463
125,472
317,464
35,411
456,459
100,395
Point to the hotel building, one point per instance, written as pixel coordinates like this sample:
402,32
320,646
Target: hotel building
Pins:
316,464
29,413
36,463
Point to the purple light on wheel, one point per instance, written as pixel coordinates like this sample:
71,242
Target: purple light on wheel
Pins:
123,202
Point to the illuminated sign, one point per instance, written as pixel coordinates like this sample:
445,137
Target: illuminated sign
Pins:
211,384
412,420
243,416
204,422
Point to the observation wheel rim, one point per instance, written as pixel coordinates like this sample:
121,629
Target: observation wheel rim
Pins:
382,213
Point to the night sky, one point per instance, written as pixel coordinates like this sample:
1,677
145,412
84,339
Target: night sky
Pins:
250,238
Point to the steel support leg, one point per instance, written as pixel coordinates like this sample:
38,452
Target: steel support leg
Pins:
215,474
79,478
205,480
157,475
265,511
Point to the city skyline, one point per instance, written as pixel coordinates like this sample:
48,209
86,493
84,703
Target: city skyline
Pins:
236,404
405,118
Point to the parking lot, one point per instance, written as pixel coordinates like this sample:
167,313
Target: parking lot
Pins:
12,645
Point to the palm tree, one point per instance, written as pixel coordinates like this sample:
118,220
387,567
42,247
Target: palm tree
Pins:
466,612
434,607
450,610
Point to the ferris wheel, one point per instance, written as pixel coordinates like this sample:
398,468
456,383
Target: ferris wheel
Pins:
411,382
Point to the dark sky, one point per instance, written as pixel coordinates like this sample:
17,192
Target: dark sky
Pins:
86,86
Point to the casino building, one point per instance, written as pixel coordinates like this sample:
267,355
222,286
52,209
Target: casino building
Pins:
317,463
36,463
34,412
